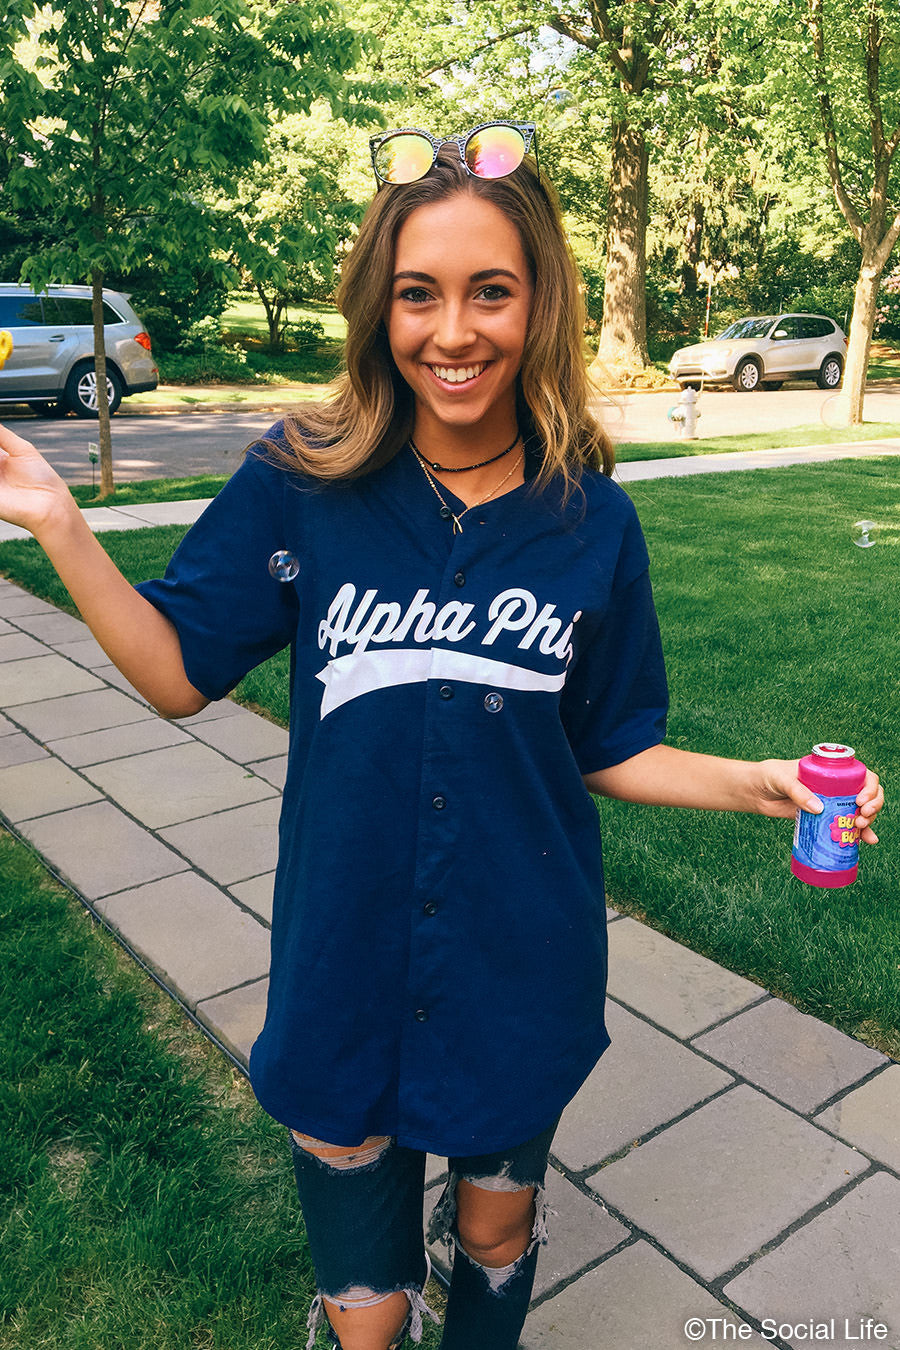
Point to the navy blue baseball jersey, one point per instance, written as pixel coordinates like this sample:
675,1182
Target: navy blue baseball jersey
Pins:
438,962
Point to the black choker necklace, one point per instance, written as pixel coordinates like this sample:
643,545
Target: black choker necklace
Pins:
444,468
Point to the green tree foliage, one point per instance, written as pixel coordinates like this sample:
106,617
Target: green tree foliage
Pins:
832,77
129,114
772,233
620,90
296,212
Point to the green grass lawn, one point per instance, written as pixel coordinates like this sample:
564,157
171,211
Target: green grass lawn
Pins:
815,434
153,490
146,1201
884,361
778,633
248,316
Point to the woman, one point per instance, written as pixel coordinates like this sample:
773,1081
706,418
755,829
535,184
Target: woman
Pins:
475,650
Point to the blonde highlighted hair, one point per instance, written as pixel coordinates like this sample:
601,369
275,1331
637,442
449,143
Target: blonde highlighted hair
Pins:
371,416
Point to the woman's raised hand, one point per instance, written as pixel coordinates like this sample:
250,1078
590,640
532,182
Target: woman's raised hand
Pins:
133,633
31,492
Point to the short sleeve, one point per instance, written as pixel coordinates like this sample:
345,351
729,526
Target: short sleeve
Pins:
229,612
615,701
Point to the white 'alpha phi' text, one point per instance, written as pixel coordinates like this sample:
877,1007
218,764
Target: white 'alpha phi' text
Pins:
368,620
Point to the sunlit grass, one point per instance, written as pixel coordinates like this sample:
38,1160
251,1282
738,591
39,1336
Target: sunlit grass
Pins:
147,1202
811,434
248,316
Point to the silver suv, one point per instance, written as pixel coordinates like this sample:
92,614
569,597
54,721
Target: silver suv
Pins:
761,353
51,367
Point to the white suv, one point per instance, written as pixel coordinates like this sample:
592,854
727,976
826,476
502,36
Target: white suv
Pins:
51,367
761,353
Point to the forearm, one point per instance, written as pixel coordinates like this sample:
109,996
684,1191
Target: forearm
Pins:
666,776
134,634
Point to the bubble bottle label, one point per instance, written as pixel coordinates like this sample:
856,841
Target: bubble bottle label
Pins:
826,846
829,842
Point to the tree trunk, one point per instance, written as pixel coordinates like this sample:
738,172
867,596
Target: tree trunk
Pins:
623,337
693,238
861,325
274,313
107,485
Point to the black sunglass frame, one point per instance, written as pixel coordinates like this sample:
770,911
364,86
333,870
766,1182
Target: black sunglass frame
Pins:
527,130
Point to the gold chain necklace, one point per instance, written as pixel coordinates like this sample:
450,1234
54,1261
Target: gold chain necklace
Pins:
457,526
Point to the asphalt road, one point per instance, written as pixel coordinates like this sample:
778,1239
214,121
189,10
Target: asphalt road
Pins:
155,446
724,412
178,445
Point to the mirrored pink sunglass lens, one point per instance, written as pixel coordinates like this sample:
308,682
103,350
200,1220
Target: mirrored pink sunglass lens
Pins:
495,152
403,159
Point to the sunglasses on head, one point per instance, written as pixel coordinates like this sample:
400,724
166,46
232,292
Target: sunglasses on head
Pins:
491,150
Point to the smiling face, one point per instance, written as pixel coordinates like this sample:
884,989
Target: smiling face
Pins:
457,319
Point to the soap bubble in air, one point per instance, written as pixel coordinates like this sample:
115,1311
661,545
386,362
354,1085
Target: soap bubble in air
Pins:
283,566
835,411
561,105
861,538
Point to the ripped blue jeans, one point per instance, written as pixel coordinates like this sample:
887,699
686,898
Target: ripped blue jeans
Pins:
363,1217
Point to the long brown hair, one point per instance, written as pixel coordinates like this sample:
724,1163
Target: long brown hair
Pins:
371,416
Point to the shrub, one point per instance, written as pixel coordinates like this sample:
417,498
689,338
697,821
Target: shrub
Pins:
170,304
206,361
833,298
887,320
304,334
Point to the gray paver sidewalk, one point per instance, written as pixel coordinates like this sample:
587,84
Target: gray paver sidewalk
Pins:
729,1160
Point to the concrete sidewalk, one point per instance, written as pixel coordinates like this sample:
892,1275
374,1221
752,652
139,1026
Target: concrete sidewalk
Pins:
730,1160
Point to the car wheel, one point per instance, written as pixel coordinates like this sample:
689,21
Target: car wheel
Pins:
747,376
82,392
49,407
772,385
830,372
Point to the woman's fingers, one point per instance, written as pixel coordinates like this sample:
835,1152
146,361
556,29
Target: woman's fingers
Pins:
30,489
13,444
784,791
870,800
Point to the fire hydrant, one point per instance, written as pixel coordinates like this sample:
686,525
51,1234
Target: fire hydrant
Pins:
6,346
686,413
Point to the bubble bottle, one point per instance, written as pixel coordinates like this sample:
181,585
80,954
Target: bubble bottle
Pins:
826,846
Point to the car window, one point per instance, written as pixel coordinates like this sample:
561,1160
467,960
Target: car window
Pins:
785,329
75,309
20,311
747,328
816,328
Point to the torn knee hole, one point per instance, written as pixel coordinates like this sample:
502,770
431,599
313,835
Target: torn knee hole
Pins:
498,1183
344,1159
496,1277
358,1297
